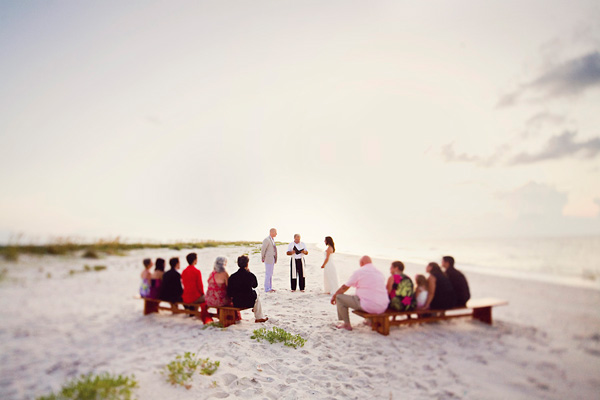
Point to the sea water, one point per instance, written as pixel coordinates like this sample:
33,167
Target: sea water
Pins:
573,260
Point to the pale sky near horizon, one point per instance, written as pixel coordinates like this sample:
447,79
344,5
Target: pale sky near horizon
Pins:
368,121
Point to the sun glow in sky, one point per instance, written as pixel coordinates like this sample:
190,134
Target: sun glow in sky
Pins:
367,121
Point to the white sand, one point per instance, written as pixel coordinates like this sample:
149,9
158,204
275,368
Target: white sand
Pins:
545,344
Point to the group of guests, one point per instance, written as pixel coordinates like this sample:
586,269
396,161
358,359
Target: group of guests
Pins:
223,290
442,290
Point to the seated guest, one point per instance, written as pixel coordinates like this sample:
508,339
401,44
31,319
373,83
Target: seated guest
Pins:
156,278
421,293
193,288
371,295
458,281
441,295
400,289
145,285
216,295
240,288
171,289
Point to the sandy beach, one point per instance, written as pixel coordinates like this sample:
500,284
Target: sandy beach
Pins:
55,326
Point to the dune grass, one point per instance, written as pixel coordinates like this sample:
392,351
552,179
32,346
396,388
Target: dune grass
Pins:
181,370
276,334
66,246
94,387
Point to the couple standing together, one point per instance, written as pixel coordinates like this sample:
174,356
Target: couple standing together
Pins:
297,250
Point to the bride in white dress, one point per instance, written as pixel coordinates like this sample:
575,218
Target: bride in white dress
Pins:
330,273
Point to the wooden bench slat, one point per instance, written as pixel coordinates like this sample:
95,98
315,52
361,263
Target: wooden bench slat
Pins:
480,309
225,314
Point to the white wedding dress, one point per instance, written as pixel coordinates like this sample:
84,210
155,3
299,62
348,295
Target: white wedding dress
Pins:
330,275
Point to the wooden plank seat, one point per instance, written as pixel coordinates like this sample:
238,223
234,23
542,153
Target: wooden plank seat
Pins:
226,314
479,309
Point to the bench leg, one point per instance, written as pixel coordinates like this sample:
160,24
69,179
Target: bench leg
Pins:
150,307
381,325
483,314
226,317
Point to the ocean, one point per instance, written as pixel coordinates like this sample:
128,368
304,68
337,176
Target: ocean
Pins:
571,260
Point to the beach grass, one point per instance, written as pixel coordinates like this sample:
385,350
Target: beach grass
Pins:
181,370
276,335
93,387
65,246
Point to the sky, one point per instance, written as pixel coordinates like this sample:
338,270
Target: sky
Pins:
367,121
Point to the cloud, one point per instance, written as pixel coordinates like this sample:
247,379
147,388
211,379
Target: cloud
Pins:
570,78
538,121
450,156
557,147
534,200
560,146
544,118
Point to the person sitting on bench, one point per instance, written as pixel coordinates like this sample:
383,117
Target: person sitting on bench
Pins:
240,288
171,285
193,289
156,279
216,295
441,294
371,294
458,281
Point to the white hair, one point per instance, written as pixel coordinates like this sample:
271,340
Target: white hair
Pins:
220,264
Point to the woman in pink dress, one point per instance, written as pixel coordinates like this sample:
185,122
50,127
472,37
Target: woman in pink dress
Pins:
216,295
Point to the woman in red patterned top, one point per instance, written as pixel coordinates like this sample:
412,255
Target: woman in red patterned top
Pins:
216,295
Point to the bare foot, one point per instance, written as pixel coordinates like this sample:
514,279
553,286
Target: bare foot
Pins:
344,326
258,321
293,291
302,291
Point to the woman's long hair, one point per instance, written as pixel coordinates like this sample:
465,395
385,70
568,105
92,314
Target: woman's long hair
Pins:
160,264
435,269
329,242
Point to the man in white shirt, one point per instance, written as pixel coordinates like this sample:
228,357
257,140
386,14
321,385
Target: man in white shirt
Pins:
297,250
268,253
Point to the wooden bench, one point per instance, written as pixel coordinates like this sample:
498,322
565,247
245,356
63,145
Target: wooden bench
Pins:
226,314
479,309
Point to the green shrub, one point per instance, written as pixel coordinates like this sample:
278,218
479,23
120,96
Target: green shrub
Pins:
99,267
278,335
91,253
11,253
96,387
181,370
214,324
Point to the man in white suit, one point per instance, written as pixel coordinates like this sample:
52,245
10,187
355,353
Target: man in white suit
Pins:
268,253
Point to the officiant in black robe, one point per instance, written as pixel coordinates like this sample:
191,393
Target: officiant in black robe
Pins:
297,250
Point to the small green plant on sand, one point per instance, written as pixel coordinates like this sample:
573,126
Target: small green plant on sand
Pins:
214,324
95,387
181,370
278,335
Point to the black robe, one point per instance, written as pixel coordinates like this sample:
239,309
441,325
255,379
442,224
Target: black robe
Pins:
240,288
171,289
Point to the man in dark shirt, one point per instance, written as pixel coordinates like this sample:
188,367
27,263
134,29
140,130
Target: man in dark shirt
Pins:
171,289
458,281
240,287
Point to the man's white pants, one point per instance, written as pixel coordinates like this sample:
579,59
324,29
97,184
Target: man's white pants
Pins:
269,276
